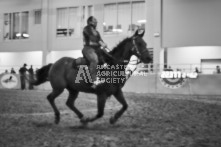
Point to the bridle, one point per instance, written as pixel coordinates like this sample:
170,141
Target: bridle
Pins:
135,49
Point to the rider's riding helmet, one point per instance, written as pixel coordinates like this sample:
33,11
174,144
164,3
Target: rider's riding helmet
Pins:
92,21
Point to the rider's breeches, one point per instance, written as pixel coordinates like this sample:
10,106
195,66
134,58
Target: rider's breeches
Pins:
92,57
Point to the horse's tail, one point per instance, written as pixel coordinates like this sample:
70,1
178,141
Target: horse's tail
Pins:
42,75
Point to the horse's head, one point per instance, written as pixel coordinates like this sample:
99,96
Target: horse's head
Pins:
139,47
134,45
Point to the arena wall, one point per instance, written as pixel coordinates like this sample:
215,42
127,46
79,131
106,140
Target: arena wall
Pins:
202,85
191,23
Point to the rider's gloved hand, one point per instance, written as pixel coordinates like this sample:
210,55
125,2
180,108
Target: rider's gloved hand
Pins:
103,45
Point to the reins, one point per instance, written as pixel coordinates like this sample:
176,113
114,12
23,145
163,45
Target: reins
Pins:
134,48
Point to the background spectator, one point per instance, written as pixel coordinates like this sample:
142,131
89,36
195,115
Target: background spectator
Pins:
31,77
22,72
217,69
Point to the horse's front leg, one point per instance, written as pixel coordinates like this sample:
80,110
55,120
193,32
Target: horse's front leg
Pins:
120,97
71,102
101,100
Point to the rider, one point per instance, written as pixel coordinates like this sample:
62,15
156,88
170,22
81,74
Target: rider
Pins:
92,42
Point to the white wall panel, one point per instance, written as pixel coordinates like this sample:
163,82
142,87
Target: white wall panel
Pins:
188,57
17,59
191,23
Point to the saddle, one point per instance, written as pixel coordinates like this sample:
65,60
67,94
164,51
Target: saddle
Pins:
103,57
105,72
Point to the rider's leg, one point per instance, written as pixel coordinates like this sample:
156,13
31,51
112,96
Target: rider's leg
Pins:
92,57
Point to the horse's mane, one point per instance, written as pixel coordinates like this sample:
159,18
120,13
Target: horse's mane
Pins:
120,46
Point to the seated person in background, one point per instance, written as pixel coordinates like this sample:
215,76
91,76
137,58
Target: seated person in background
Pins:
168,69
6,71
13,71
196,70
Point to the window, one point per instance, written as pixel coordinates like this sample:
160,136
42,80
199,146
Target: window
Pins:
90,11
16,25
71,20
124,17
37,17
87,11
110,17
138,15
68,21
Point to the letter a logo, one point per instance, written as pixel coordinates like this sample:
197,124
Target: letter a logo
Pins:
82,75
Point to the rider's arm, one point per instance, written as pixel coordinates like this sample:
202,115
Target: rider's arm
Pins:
101,42
88,32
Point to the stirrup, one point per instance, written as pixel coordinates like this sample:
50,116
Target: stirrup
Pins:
94,86
96,83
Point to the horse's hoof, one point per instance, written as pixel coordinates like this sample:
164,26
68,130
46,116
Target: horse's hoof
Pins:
113,120
57,118
84,125
56,121
84,121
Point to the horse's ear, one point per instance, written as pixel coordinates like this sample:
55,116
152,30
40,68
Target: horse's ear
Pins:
135,34
139,32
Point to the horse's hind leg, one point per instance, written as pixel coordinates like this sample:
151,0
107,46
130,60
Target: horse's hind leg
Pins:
101,100
51,97
70,103
120,97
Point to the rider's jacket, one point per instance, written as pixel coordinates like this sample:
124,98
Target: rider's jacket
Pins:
91,36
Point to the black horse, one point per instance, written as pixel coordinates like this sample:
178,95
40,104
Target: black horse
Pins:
62,75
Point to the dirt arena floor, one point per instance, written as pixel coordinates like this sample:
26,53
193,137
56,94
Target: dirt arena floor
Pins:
27,120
